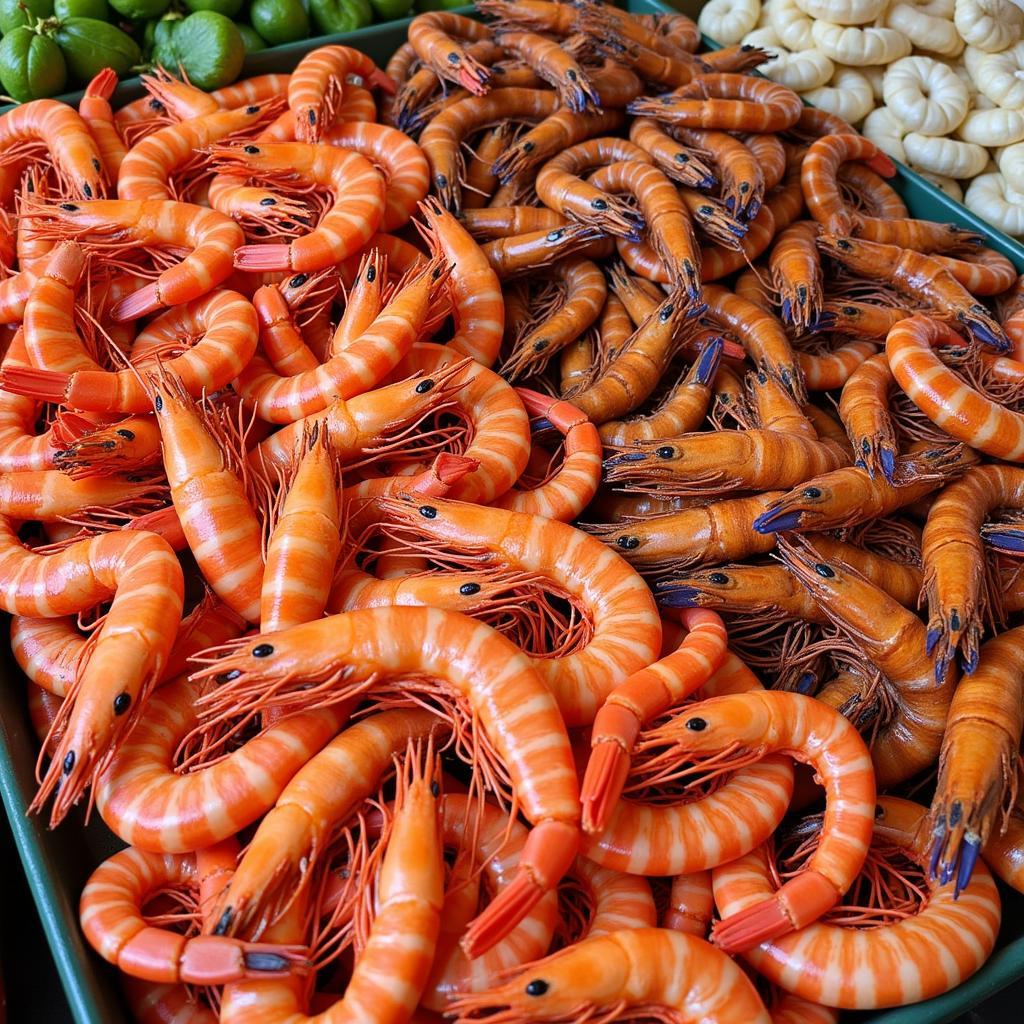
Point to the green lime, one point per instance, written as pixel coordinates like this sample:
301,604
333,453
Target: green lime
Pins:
209,48
89,46
140,10
389,10
252,39
31,66
229,8
332,16
279,21
98,9
13,15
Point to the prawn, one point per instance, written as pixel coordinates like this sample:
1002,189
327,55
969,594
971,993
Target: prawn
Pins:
638,699
978,762
919,277
356,186
110,910
772,721
955,584
944,397
841,965
315,88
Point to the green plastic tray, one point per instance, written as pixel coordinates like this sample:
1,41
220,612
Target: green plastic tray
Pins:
58,863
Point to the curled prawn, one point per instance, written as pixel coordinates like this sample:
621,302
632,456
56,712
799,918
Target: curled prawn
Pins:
110,909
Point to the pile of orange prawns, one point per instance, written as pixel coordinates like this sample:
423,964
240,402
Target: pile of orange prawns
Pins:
444,507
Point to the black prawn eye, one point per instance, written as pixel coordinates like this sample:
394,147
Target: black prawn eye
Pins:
718,577
666,311
371,273
825,571
844,244
158,403
268,201
666,451
528,147
252,110
571,75
599,204
554,236
70,207
812,492
435,788
629,543
424,386
262,650
251,150
428,511
122,702
298,280
469,589
126,434
696,724
537,987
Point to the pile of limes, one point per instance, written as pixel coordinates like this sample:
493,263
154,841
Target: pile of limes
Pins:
52,45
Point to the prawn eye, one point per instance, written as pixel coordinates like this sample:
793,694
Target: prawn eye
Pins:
825,571
849,310
442,181
87,189
718,577
96,165
70,207
629,543
682,158
268,201
844,245
696,724
252,110
666,451
537,987
571,75
126,434
666,311
158,403
812,492
428,511
311,117
69,762
262,650
371,273
109,446
762,377
435,788
599,204
453,58
298,280
554,236
122,702
469,589
424,386
251,150
528,147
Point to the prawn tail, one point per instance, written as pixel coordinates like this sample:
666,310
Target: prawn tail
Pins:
140,303
800,901
41,385
548,854
263,257
606,774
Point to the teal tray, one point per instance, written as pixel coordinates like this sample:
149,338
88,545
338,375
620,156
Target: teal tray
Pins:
58,863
